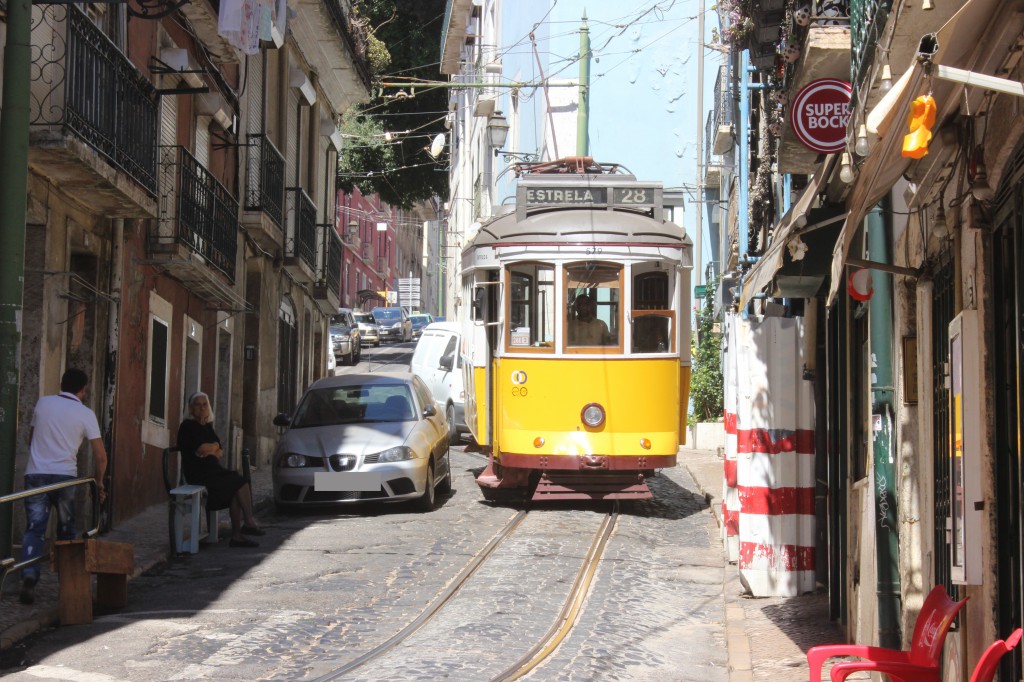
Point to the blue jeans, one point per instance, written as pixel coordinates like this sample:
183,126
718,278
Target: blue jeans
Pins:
37,515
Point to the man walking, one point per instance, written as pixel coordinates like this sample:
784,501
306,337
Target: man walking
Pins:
59,425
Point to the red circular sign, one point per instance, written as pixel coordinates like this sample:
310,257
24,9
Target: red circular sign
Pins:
820,115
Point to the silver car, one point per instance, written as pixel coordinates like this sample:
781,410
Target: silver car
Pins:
362,438
369,334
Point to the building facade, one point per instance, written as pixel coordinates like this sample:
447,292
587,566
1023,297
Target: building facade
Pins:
180,230
904,270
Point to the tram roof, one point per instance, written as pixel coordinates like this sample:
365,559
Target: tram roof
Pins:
593,225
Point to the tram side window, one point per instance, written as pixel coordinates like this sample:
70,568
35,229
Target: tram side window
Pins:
531,318
652,319
593,304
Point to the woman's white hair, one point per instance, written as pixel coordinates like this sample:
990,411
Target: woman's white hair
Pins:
192,399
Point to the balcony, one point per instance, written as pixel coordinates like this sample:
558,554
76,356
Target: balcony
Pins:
203,16
196,237
825,53
300,239
327,290
92,116
712,162
264,192
335,47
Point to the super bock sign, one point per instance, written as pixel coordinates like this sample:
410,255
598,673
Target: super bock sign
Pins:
820,115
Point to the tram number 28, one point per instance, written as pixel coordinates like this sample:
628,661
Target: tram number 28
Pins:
632,195
519,391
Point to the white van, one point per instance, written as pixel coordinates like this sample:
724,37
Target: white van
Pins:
438,362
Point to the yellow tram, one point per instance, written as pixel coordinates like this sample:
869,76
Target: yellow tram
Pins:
576,345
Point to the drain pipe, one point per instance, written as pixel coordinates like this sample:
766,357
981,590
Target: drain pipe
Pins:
887,538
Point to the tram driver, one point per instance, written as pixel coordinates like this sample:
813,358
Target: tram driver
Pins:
584,327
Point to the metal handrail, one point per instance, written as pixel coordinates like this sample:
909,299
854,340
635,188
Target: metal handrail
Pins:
9,564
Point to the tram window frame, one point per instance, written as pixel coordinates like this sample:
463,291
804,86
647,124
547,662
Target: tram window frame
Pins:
651,297
534,286
569,271
668,315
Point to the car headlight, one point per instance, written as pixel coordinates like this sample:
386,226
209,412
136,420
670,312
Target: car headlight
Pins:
399,454
593,415
295,461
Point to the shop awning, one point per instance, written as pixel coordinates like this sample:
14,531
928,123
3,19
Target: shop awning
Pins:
978,38
790,228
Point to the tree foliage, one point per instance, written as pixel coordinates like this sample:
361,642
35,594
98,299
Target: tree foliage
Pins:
706,386
404,42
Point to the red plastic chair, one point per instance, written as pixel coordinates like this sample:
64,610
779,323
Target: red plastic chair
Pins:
986,668
921,664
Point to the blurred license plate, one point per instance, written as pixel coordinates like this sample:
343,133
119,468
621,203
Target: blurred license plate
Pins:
343,481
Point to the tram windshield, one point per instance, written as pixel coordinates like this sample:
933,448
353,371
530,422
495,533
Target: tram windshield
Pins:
593,304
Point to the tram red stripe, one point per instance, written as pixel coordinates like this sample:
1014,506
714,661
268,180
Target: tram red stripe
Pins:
761,441
730,468
776,501
785,557
729,419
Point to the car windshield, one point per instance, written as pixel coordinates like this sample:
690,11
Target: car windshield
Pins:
387,315
339,321
420,320
363,318
356,404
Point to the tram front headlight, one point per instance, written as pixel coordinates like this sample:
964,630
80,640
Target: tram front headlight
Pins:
593,415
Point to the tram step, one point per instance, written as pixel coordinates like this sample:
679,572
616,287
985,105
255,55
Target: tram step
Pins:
572,486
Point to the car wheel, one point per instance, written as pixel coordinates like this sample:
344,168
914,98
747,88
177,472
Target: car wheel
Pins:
377,345
445,486
453,433
426,502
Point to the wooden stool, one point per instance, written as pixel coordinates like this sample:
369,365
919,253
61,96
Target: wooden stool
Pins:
75,561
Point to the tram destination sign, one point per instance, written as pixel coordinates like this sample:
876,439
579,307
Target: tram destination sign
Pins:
590,196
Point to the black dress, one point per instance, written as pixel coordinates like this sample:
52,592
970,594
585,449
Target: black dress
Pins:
221,484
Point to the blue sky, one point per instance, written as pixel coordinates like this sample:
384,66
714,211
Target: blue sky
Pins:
644,80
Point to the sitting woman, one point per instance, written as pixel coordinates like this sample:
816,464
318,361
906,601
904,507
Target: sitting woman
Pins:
200,455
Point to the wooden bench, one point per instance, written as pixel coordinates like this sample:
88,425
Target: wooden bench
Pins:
76,561
187,508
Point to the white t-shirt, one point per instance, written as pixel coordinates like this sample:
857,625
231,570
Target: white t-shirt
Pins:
59,425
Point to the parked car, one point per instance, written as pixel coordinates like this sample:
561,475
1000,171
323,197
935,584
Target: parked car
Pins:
369,333
419,322
360,438
394,324
438,361
345,337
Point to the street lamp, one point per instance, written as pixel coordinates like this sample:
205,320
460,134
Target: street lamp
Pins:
497,131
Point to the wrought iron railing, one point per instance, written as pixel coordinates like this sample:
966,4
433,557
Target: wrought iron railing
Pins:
197,210
331,272
867,19
82,83
301,241
264,170
710,128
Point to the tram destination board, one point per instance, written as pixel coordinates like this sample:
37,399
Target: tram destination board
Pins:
642,196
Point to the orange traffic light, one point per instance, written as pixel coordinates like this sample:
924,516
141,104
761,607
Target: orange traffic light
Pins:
920,121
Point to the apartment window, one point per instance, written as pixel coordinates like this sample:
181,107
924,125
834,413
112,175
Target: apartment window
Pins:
158,333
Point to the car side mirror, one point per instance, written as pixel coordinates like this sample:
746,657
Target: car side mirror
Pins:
282,420
446,363
429,411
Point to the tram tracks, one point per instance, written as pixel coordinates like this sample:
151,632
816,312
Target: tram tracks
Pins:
545,646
